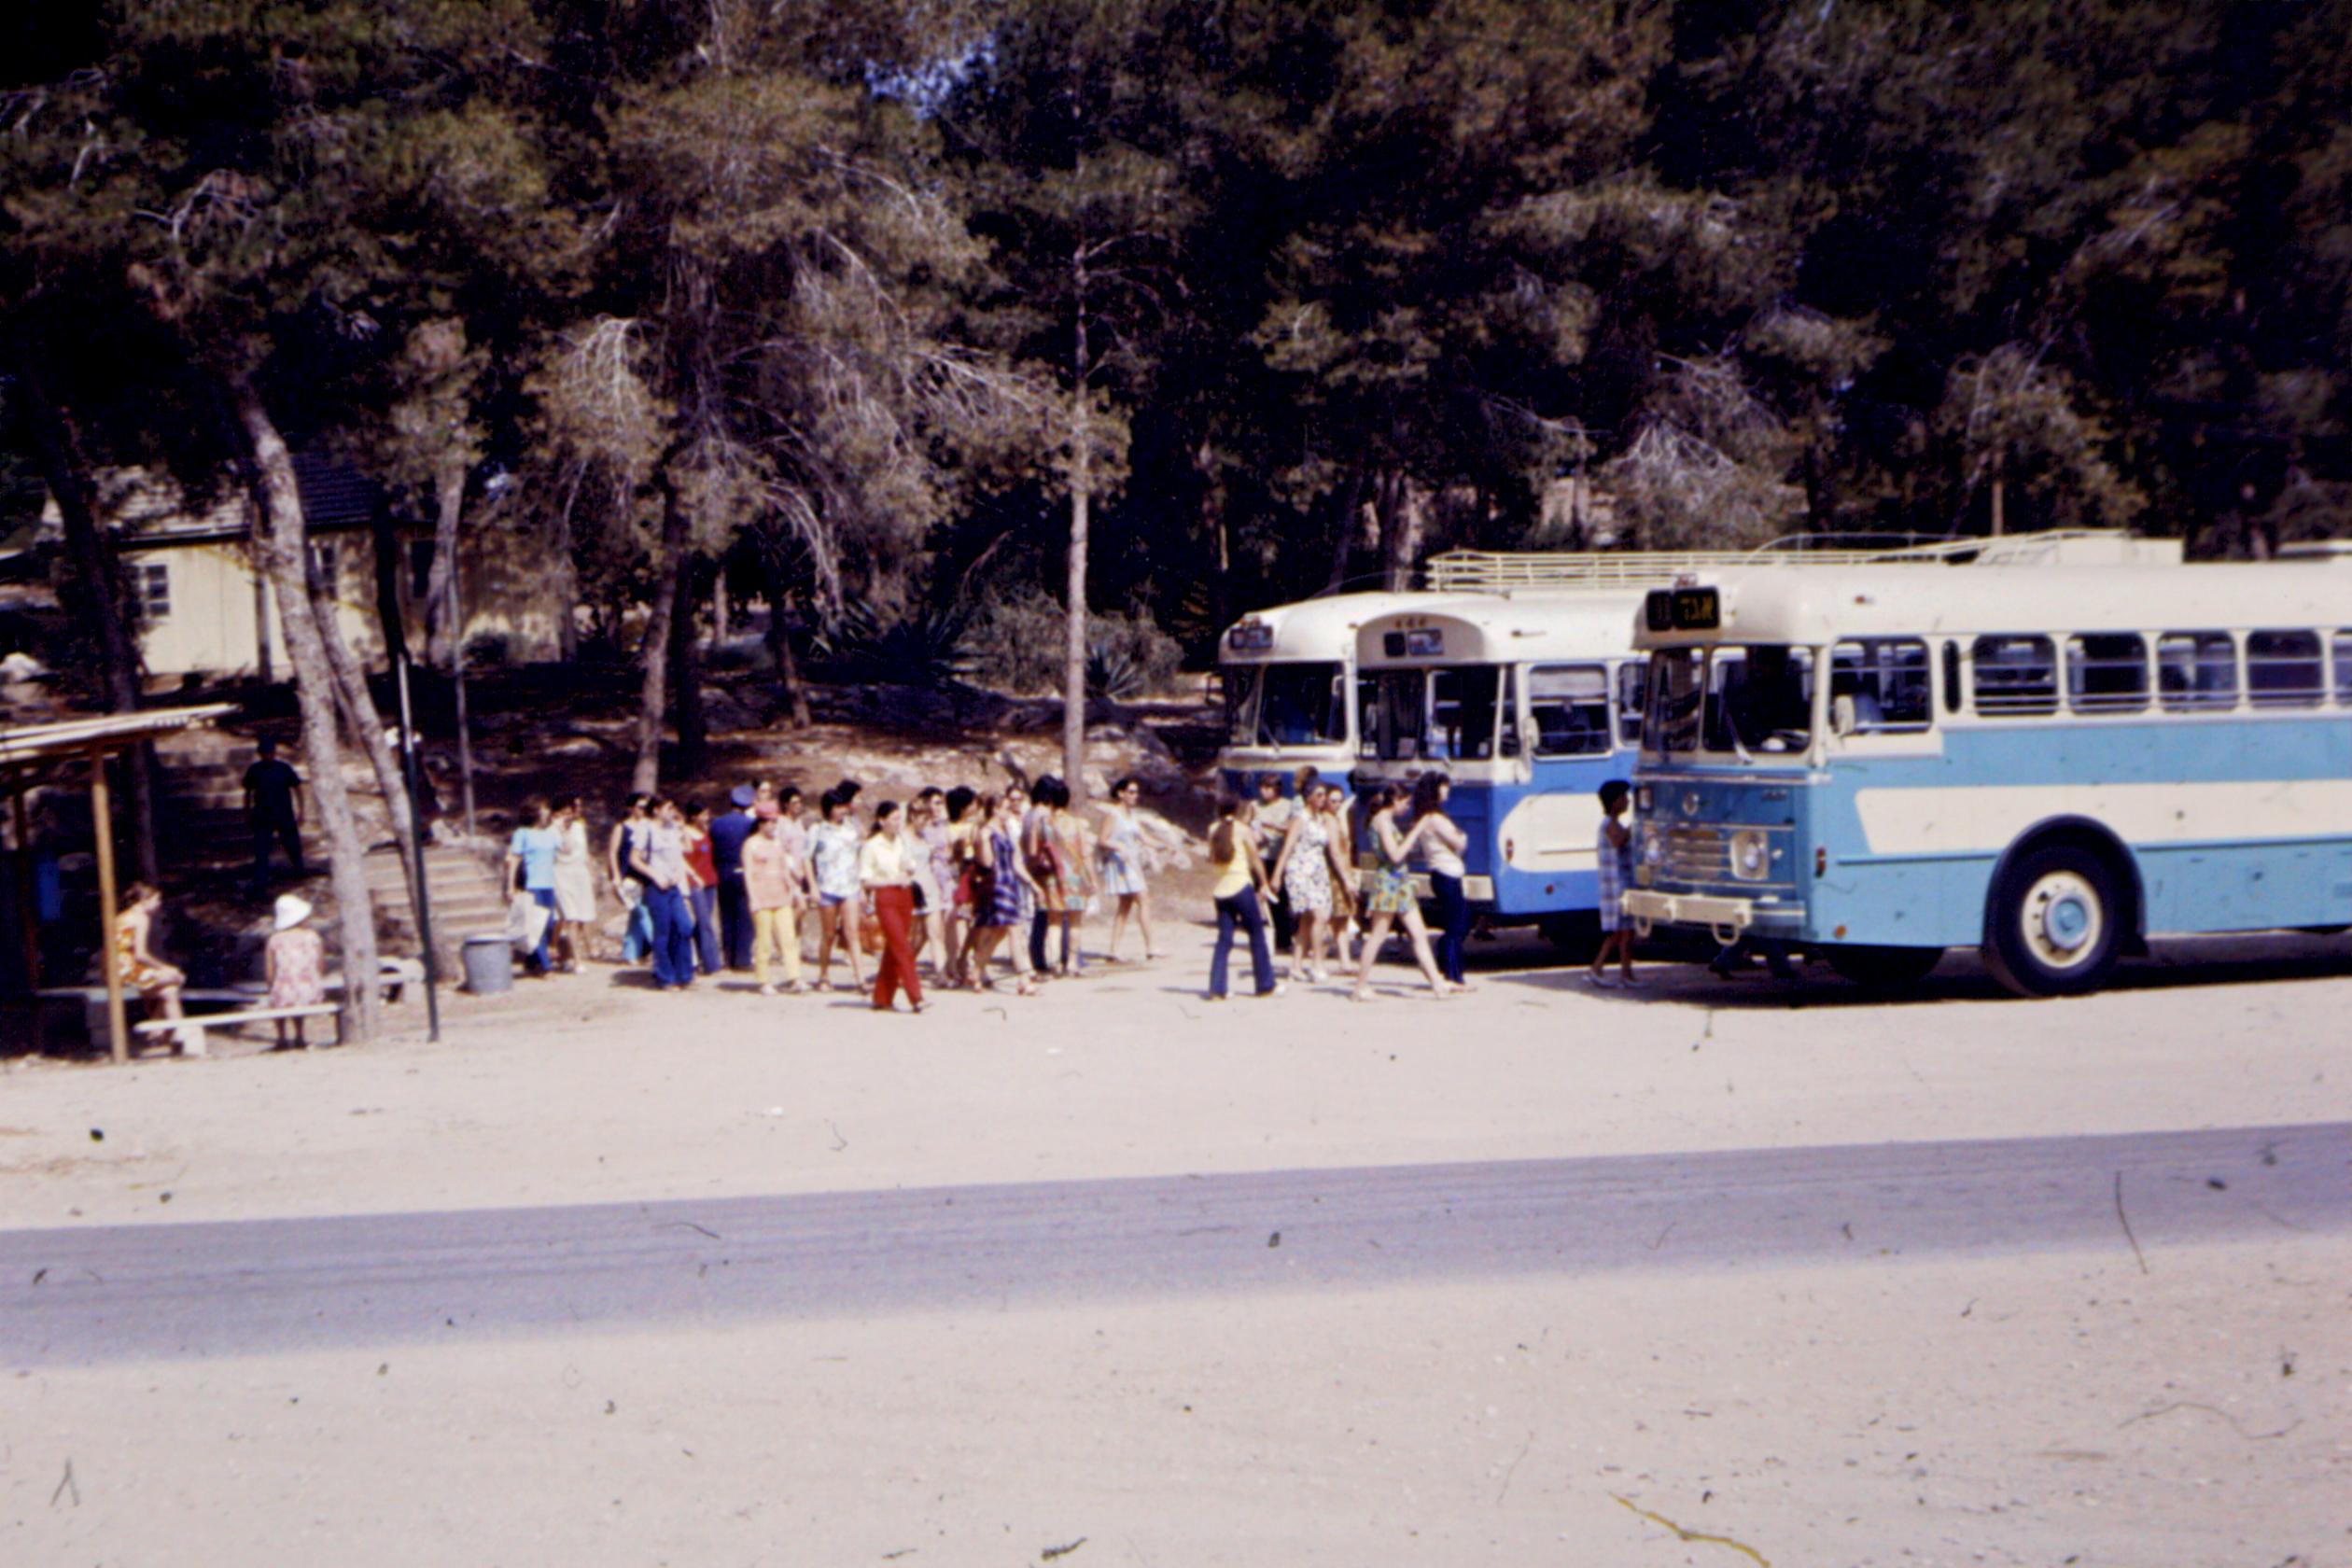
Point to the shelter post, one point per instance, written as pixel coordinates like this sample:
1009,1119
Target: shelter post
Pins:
101,823
24,901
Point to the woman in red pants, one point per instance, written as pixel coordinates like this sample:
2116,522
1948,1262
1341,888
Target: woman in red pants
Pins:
886,873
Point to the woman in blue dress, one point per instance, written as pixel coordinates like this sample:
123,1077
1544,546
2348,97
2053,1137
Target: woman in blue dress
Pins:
1122,852
1011,896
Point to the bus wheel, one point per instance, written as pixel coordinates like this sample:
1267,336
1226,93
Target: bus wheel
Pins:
1575,940
2054,925
1883,969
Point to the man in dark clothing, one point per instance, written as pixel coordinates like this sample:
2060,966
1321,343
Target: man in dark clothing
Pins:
273,809
727,836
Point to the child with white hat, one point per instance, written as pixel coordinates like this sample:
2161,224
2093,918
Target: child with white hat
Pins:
296,960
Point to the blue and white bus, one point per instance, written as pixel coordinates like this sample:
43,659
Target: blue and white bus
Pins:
1289,677
2050,765
1528,703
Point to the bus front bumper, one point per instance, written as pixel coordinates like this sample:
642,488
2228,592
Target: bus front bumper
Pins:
1727,919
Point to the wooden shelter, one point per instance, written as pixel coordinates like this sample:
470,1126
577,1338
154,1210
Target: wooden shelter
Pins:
75,752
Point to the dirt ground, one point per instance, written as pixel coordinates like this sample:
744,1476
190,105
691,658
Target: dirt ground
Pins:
2054,1407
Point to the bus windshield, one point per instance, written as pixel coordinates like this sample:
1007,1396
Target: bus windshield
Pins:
1455,713
1298,703
1740,700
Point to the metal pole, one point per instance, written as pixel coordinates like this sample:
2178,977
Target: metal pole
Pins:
457,672
102,820
423,888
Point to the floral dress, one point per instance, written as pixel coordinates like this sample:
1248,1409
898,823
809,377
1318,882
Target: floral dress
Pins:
296,960
1306,879
1074,857
1123,855
1388,886
135,973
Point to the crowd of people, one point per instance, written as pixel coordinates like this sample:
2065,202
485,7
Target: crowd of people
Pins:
962,888
942,883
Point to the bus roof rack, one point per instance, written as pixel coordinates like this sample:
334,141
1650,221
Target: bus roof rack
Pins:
1491,571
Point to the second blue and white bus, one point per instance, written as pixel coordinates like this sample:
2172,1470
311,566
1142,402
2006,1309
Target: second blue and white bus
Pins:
1528,703
2049,765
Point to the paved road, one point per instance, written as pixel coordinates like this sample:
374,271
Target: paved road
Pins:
100,1294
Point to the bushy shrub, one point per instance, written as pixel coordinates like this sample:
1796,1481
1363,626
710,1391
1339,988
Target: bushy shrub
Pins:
925,647
1016,645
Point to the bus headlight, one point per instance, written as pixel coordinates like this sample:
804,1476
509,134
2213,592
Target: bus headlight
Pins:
1649,845
1751,857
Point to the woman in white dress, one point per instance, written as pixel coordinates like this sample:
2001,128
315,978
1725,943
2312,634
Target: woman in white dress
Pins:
575,884
1303,870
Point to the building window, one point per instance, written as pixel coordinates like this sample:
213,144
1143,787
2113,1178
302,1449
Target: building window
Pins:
420,569
152,589
324,563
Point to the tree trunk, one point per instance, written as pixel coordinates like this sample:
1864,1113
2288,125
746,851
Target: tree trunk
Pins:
278,521
1351,510
442,639
566,585
359,703
653,654
1403,519
1081,508
685,656
1212,522
779,635
91,555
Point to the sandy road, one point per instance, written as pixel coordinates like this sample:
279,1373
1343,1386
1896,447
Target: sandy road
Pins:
1877,1405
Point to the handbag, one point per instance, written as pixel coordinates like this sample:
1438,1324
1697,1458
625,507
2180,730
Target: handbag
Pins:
870,937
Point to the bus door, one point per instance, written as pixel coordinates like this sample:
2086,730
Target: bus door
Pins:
1544,842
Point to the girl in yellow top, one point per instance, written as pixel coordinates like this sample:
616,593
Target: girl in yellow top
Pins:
1240,875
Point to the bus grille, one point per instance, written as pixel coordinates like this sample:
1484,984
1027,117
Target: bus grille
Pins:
1697,855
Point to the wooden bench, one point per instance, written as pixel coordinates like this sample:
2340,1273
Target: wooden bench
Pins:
191,1029
93,1000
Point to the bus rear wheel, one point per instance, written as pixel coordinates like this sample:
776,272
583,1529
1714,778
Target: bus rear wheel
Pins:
1575,937
1883,969
2054,923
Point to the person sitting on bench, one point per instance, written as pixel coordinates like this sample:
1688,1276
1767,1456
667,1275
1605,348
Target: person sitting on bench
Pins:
158,983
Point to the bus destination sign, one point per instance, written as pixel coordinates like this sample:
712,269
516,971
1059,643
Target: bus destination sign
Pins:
1683,610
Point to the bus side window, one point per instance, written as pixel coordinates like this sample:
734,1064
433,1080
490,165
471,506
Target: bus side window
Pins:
2196,670
2015,674
2341,644
1887,679
2282,669
2107,672
1632,680
1568,705
1951,676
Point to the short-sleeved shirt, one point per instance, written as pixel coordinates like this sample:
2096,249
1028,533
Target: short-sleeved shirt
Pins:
767,877
272,783
665,854
535,849
833,849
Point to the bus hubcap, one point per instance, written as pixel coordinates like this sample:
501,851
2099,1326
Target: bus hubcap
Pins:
2063,920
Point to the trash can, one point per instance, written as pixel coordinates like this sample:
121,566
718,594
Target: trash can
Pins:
489,965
